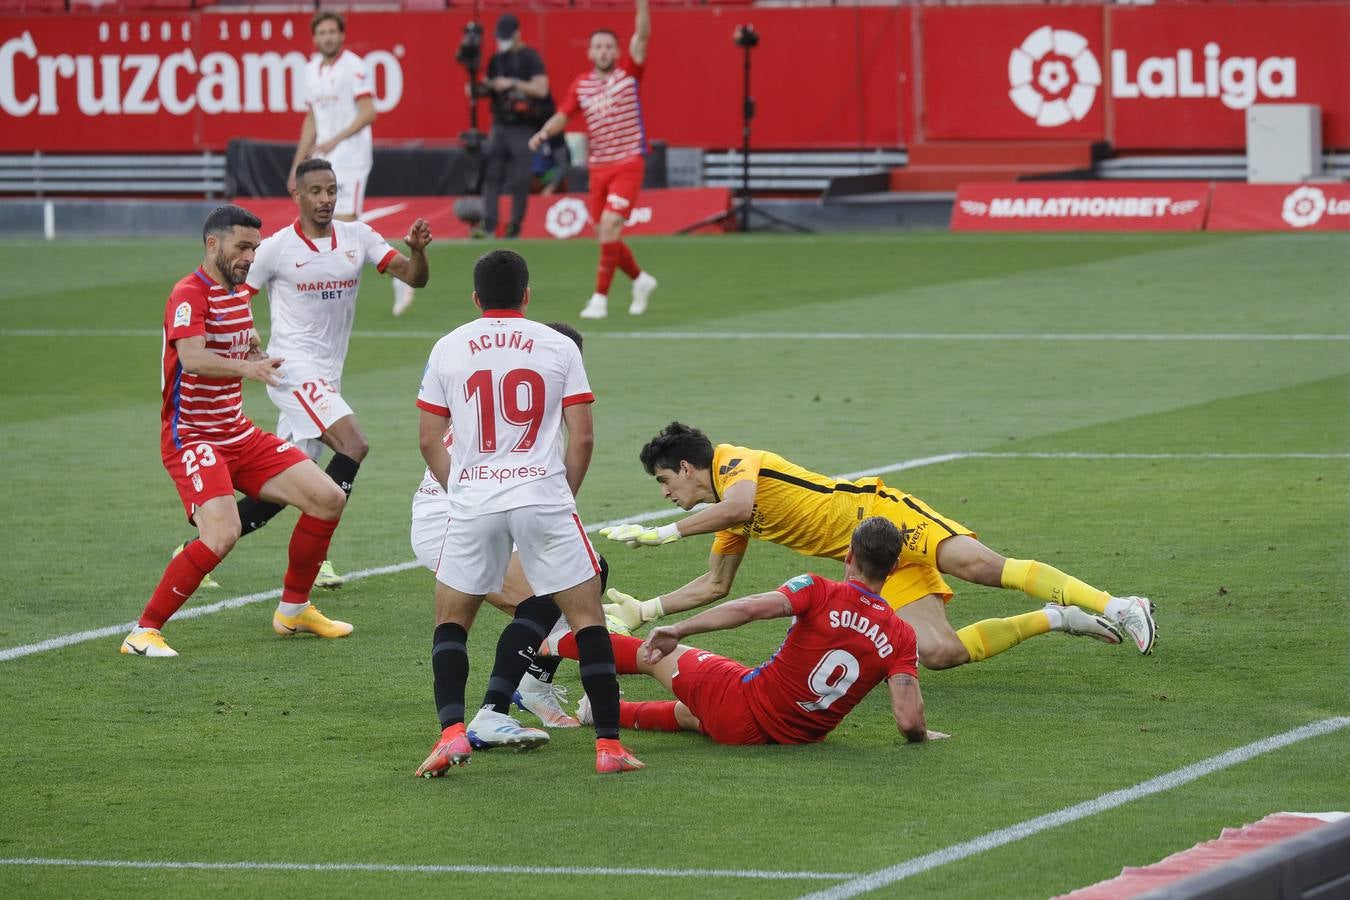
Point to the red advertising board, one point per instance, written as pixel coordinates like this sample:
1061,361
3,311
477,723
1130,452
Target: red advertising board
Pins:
1081,206
1280,207
1016,72
1184,76
192,81
561,216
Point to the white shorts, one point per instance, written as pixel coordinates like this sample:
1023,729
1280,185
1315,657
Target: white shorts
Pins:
430,513
309,404
554,550
351,185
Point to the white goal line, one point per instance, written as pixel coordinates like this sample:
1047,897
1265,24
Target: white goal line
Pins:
8,654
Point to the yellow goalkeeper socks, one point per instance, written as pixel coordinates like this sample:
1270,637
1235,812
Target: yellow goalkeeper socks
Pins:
1048,583
992,636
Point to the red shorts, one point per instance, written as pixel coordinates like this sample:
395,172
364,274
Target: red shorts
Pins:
713,689
203,471
615,187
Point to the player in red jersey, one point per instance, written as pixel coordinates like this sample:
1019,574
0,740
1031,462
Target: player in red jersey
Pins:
210,448
609,98
843,641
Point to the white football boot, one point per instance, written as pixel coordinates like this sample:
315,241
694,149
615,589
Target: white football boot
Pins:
643,286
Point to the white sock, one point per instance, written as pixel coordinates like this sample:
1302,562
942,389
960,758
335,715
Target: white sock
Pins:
292,609
1056,616
142,629
1115,608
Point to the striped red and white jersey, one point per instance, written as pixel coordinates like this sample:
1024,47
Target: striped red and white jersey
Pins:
197,409
613,108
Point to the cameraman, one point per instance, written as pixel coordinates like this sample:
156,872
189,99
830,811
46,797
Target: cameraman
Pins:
518,86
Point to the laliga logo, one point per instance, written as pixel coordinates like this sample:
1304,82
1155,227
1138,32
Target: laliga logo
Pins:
1053,77
1304,206
566,218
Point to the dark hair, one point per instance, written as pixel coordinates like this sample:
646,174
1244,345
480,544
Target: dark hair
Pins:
222,219
564,329
677,443
327,15
500,278
876,547
313,164
605,31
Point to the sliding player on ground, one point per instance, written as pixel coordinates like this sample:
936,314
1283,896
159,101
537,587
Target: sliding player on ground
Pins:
759,494
843,641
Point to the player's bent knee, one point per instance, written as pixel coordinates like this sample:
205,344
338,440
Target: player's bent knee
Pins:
328,503
688,721
221,540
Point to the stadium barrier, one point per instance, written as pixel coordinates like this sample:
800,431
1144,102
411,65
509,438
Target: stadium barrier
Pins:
1138,77
1314,865
1151,206
559,216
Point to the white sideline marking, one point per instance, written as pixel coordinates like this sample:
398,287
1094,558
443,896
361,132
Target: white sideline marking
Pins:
760,874
761,335
1176,778
196,612
79,637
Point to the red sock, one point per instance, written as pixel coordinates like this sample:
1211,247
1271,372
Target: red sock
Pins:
609,261
653,715
626,261
184,573
625,651
308,550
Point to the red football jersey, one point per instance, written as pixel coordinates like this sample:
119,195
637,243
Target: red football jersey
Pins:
197,409
613,108
844,640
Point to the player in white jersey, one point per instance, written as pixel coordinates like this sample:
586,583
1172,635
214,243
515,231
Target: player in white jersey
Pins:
511,386
312,270
538,693
340,93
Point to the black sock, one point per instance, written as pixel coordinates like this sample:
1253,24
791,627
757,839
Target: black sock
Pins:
535,618
254,514
342,469
604,574
598,679
545,667
450,671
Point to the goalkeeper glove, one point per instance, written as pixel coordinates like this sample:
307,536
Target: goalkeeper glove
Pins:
641,536
630,610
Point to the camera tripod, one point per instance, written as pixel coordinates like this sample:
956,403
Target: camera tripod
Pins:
743,207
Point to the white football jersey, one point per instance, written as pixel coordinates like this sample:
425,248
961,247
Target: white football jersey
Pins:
504,380
331,92
311,290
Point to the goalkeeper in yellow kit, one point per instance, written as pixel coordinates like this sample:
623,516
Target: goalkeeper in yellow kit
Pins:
758,494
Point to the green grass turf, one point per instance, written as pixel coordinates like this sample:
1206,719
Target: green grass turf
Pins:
250,748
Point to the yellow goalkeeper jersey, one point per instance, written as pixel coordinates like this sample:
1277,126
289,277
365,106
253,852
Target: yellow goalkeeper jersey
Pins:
802,510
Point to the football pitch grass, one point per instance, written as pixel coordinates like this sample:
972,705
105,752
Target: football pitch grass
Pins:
1158,415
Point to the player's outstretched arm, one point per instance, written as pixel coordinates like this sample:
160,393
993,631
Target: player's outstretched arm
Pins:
197,360
431,439
736,507
642,32
771,605
413,269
